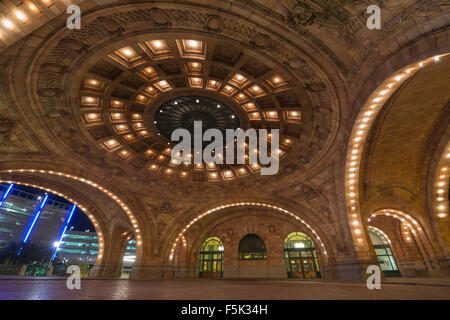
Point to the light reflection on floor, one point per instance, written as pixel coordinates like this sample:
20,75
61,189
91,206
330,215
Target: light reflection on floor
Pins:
215,289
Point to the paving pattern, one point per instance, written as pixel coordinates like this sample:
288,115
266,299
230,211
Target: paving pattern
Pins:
215,290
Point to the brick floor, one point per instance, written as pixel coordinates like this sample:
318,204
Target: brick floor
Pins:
215,289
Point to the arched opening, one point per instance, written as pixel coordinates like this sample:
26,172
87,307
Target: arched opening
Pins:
301,257
384,253
252,247
385,153
211,258
42,233
326,255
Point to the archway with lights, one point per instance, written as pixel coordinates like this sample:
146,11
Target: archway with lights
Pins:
110,223
36,221
375,171
414,252
234,225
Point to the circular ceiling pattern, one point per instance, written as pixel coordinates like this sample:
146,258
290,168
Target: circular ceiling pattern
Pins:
131,100
182,112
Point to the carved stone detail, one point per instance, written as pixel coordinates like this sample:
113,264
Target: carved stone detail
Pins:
214,23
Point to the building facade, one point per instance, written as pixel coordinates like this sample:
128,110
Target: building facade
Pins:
82,247
18,211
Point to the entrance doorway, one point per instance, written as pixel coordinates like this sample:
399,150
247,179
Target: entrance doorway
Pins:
301,257
211,258
384,253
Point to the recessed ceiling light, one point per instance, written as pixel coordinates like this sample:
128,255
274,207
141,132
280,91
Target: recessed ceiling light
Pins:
33,7
7,23
20,15
193,43
128,52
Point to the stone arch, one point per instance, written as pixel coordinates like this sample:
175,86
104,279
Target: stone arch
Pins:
409,233
112,231
236,224
245,204
89,208
387,90
325,250
436,183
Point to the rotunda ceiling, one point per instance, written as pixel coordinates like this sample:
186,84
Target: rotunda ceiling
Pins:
133,98
98,94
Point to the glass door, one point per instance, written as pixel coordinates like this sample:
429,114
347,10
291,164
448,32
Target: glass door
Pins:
296,268
308,269
211,258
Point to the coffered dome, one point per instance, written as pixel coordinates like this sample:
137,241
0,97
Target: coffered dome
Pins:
132,98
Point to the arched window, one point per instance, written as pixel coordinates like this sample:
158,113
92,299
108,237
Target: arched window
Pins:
301,257
211,258
384,253
252,247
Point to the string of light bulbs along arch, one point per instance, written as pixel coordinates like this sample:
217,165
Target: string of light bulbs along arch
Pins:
359,135
240,204
441,181
380,232
407,221
122,205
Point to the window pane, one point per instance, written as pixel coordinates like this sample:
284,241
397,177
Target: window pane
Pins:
385,263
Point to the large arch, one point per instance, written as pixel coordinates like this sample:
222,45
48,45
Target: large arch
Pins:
244,204
191,237
113,223
92,211
361,146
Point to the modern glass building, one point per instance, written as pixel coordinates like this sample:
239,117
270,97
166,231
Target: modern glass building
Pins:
19,210
82,247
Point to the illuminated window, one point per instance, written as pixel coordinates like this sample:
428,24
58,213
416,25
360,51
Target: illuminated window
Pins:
211,258
384,253
301,257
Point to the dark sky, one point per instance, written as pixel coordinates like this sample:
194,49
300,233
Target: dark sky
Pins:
80,221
